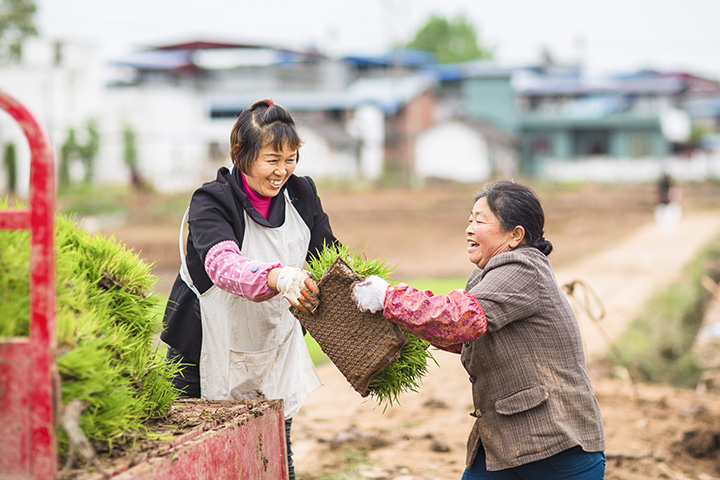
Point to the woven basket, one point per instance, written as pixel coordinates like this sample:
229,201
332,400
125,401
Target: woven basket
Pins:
360,344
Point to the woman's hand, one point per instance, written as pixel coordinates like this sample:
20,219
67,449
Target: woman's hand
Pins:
296,285
370,293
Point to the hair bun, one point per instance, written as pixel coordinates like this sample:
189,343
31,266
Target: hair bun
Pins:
545,246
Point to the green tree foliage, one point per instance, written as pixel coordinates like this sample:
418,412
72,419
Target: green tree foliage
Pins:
74,151
16,24
451,41
68,151
10,162
130,151
88,152
132,159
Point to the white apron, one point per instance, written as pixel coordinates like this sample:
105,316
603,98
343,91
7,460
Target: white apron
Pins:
255,350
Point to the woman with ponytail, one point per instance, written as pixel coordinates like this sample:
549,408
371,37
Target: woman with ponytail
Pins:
536,415
250,232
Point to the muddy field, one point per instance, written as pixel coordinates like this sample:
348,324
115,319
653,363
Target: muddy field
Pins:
421,232
652,431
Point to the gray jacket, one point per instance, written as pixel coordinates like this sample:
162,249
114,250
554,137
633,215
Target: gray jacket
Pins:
531,391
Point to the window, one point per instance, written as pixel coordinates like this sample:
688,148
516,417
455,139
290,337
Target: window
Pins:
640,145
592,143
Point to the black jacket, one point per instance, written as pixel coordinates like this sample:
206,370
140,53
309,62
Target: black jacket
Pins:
216,214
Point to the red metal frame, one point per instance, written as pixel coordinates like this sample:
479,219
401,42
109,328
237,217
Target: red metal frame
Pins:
28,451
27,431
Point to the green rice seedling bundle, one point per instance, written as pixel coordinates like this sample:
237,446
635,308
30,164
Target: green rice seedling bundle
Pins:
406,372
106,325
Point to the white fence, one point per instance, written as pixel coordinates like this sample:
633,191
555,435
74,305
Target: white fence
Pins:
700,166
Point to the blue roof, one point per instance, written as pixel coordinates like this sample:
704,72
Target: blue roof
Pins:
404,57
561,86
474,68
388,93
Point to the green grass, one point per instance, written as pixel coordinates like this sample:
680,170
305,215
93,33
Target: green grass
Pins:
657,345
85,200
316,354
438,285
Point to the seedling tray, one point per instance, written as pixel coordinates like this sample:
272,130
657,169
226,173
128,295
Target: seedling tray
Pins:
360,344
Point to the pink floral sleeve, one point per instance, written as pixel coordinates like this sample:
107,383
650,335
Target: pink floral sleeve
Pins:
446,321
235,273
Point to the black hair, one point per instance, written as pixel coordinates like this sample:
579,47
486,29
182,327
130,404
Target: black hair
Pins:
515,204
263,122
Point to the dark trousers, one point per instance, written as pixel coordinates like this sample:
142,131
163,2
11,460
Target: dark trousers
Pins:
188,383
572,464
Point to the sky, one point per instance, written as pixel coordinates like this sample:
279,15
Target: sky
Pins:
605,36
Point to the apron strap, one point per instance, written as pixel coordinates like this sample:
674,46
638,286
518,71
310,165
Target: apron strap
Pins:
184,272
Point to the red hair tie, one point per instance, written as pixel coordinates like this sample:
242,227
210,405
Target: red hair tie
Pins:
270,103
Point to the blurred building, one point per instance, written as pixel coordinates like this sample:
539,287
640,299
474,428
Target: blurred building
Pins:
397,118
572,127
61,85
372,118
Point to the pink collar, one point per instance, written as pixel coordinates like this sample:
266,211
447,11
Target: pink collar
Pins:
259,202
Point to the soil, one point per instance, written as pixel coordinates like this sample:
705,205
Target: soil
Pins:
605,236
184,425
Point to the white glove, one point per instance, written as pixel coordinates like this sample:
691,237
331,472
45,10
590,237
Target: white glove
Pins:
370,293
300,290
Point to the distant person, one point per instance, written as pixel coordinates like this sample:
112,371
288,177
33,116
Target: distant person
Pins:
668,211
664,187
536,415
250,232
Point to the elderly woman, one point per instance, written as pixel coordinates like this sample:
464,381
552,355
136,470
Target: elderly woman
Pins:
536,415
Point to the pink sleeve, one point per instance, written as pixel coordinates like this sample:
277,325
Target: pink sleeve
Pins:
234,273
446,321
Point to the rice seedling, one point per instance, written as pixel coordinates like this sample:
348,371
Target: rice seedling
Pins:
363,266
404,374
106,323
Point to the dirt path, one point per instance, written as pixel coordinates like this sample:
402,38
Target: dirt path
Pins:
337,428
626,274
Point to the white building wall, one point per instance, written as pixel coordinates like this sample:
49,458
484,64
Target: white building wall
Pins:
172,126
61,89
368,127
319,160
172,134
452,151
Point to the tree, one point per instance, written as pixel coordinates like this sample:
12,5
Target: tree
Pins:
86,153
10,167
131,158
16,24
451,41
68,153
